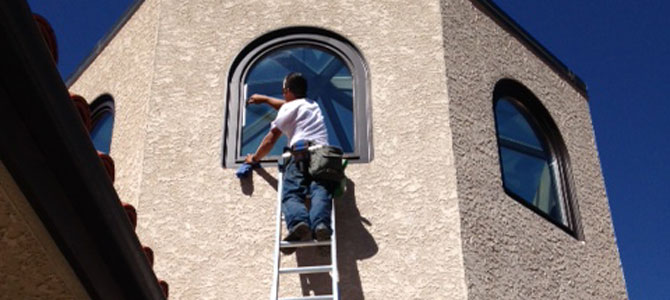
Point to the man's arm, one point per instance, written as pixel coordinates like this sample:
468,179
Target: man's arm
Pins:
266,145
258,99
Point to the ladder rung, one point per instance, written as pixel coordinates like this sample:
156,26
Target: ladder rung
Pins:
315,297
307,270
284,244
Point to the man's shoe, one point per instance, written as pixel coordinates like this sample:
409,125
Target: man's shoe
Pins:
322,233
299,232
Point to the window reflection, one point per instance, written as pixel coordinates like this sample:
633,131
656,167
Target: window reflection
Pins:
329,83
101,135
102,113
527,165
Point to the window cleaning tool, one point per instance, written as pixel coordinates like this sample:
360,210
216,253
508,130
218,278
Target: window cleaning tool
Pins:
332,268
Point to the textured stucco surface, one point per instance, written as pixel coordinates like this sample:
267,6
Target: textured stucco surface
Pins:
128,80
31,266
509,251
212,234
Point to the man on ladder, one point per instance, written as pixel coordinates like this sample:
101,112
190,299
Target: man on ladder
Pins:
302,121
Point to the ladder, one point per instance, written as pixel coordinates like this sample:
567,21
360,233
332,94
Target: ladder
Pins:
279,243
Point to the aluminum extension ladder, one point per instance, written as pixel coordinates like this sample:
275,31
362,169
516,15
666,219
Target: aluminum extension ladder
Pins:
279,243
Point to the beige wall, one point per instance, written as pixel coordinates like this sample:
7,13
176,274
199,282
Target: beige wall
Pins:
125,70
31,265
509,251
399,222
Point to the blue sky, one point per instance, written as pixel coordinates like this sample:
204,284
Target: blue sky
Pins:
79,26
621,49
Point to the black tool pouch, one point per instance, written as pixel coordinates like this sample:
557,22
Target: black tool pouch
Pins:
326,163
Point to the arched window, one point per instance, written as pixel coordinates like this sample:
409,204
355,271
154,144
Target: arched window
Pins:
102,114
533,157
336,79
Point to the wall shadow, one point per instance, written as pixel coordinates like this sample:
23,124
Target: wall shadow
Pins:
271,180
247,183
354,242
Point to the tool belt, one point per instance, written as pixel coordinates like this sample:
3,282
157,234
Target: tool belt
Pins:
320,161
298,154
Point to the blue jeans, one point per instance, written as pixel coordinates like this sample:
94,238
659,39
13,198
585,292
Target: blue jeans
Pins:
296,185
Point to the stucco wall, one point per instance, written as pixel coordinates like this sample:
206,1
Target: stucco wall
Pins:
509,251
125,70
212,234
31,266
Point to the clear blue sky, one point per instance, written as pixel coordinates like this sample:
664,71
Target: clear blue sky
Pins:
621,49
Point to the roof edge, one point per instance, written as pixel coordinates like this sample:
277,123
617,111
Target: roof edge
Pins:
102,43
494,11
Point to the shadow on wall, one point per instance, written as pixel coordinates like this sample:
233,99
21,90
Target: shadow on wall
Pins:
354,242
247,183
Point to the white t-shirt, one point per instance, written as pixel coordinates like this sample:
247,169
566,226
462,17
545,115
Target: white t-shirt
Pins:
301,119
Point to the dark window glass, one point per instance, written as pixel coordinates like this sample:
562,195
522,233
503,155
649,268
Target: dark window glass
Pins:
329,83
102,113
528,166
101,135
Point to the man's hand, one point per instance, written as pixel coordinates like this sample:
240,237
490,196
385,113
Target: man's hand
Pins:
250,159
260,99
257,99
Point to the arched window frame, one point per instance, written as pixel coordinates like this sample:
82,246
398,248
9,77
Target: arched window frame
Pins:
291,37
547,132
101,106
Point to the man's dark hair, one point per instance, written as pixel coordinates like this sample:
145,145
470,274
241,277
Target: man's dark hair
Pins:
296,83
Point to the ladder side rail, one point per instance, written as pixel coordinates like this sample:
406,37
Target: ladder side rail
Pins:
335,276
274,293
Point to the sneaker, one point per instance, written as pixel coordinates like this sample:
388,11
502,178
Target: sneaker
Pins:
299,232
322,233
